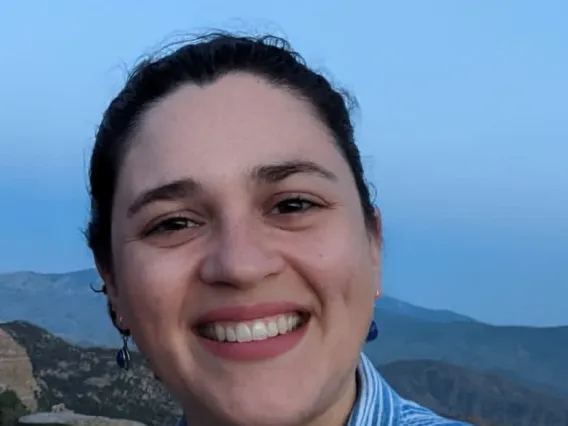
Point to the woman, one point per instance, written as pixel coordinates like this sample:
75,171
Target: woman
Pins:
237,241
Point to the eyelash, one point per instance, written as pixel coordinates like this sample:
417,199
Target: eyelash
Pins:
299,200
162,226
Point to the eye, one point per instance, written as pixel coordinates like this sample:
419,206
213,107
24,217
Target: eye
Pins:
171,225
293,205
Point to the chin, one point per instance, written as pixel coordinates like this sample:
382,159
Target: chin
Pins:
279,392
267,407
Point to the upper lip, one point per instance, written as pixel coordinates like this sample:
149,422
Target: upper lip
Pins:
249,312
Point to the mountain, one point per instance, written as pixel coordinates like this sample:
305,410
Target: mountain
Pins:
398,307
65,305
87,381
463,393
62,303
531,355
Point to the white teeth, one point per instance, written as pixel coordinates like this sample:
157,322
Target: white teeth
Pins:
243,333
231,334
219,332
272,329
282,323
259,329
292,322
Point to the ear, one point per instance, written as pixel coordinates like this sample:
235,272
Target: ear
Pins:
109,283
112,295
376,236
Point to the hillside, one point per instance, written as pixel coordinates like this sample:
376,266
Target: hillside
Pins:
87,381
45,299
466,394
398,307
534,356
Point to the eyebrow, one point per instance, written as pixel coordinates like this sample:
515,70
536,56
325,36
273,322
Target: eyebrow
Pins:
273,173
267,174
182,188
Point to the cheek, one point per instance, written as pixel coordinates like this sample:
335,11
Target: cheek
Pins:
339,270
338,265
152,286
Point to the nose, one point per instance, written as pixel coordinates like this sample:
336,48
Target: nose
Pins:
240,257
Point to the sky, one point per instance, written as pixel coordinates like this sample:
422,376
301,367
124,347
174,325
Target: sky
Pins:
462,125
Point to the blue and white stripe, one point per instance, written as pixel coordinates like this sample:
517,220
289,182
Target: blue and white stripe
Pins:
378,404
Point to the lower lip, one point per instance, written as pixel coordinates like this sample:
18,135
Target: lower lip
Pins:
256,350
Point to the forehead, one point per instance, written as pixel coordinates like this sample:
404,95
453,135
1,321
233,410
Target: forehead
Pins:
224,129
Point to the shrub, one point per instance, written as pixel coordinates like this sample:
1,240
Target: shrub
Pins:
11,408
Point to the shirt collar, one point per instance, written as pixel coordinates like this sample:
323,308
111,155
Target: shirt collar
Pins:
377,404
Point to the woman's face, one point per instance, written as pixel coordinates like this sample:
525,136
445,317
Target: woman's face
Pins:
241,260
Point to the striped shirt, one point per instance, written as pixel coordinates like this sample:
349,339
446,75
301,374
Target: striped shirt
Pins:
378,404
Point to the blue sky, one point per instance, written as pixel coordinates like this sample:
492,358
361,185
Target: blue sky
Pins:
463,128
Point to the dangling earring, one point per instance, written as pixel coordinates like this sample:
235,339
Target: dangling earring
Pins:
123,355
373,330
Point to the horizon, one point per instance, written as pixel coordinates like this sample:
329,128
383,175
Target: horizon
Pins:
461,126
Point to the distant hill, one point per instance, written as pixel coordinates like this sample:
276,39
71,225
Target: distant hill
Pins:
463,393
537,357
65,305
87,381
398,307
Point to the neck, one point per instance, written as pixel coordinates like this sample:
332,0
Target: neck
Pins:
340,410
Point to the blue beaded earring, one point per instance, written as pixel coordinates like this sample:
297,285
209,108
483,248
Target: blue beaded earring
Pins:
373,330
123,355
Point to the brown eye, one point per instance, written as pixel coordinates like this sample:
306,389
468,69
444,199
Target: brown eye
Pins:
172,225
293,205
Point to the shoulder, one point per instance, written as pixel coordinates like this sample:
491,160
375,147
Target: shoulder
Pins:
413,414
380,404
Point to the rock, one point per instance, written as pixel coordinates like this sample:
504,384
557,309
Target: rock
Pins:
39,366
72,419
16,371
60,408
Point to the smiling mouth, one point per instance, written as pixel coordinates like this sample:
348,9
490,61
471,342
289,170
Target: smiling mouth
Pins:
254,330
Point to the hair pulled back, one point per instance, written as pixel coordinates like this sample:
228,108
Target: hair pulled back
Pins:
201,62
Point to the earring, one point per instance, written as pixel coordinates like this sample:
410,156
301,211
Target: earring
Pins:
373,330
123,355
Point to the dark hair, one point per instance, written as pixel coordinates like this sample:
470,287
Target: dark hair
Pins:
201,62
